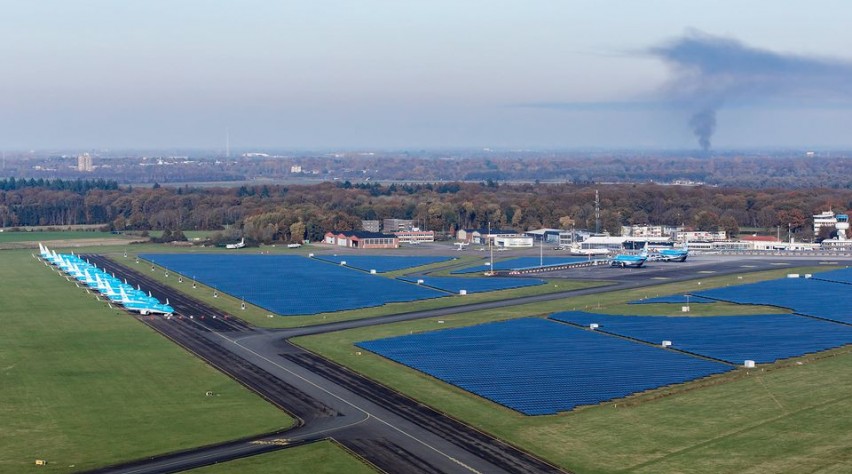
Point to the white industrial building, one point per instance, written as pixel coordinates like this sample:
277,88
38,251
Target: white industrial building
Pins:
649,230
415,236
513,241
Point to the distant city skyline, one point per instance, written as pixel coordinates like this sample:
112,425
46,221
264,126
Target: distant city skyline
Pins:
440,74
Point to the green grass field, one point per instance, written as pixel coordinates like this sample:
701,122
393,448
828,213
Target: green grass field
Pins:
44,236
190,234
791,416
324,457
86,386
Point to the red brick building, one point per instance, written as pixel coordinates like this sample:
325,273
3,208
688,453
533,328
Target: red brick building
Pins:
360,239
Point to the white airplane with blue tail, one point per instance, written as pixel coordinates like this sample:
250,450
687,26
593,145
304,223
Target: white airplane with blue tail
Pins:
630,261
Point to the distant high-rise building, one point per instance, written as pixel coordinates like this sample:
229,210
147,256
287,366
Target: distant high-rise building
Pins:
370,225
390,226
84,163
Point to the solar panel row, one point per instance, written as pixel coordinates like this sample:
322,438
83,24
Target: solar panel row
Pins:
382,263
538,367
761,338
672,299
840,276
292,285
809,296
519,263
473,285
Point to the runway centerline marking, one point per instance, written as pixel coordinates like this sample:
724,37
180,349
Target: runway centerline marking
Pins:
347,402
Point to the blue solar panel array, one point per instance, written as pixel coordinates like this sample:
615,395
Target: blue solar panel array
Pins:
382,263
473,284
839,276
292,285
541,367
673,299
520,263
818,298
761,338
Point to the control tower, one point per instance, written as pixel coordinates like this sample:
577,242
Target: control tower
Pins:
842,226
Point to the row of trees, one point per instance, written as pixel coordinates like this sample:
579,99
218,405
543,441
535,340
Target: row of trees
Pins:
74,185
778,169
273,213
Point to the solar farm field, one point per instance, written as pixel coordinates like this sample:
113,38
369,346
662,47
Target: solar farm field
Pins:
734,339
520,263
383,263
790,416
540,367
473,285
292,285
809,296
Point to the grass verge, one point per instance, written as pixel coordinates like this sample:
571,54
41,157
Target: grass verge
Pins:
84,385
44,236
323,457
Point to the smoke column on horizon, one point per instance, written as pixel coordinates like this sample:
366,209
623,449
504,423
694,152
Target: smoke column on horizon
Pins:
711,71
703,125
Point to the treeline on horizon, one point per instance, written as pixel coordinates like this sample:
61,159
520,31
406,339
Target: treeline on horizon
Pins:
792,171
274,213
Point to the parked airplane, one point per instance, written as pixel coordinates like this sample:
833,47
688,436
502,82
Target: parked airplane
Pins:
238,245
674,255
575,250
149,308
461,246
630,261
108,285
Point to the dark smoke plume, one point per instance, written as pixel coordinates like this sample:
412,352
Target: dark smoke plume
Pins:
710,72
703,125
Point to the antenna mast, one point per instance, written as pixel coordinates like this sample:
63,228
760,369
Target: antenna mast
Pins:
597,213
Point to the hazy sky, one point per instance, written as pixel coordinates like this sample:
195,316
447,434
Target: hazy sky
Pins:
409,73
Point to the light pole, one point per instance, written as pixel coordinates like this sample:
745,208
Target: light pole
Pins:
490,250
